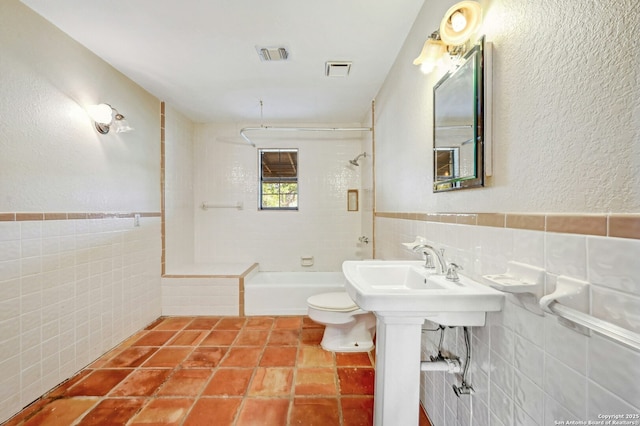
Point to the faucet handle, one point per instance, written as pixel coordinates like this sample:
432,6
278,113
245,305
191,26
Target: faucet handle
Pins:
428,261
452,272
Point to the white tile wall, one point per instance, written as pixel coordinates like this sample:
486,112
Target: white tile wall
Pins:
566,345
200,296
613,263
566,255
528,400
227,172
529,360
617,307
528,369
566,386
615,369
178,189
69,292
613,269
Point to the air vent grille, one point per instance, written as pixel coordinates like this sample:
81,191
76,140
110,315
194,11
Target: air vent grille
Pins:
337,69
268,54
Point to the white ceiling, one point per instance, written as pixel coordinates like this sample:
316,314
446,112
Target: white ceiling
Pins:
200,55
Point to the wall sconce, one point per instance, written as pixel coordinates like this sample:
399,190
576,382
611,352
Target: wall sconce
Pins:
459,24
456,28
105,116
432,52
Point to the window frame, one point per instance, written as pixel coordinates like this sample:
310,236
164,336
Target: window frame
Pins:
280,179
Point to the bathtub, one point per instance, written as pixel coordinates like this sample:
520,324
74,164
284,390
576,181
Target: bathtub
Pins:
286,293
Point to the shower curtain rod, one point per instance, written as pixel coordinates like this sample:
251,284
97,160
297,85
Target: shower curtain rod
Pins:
302,129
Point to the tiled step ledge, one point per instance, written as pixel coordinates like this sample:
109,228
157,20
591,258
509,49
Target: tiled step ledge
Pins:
605,225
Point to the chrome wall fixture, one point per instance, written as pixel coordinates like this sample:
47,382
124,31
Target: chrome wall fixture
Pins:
207,206
355,160
105,116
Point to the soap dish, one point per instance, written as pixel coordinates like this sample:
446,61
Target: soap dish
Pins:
510,283
519,278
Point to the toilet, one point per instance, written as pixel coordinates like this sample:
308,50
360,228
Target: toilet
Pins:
347,327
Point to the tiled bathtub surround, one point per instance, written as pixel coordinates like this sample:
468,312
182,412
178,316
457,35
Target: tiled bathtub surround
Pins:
71,288
226,172
200,296
206,289
529,369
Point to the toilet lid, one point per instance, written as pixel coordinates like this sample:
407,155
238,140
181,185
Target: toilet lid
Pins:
338,301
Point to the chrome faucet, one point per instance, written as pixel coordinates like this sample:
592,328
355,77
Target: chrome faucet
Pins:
452,272
429,251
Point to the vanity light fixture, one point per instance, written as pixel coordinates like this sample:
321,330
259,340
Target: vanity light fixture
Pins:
458,25
456,28
105,117
431,54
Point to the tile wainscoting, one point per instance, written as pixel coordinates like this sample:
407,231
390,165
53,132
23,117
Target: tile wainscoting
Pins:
611,225
529,369
201,293
72,286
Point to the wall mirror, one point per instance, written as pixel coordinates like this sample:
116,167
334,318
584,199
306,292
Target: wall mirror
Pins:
458,125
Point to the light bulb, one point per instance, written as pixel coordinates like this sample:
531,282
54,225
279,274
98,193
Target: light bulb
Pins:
458,21
101,113
427,66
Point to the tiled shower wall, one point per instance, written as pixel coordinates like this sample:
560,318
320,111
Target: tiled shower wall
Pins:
179,203
70,289
226,172
528,369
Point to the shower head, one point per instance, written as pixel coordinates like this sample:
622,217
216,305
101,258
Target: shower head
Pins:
355,160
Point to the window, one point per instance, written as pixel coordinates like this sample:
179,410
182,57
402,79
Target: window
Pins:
278,179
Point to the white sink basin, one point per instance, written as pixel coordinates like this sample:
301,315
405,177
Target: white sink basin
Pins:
406,288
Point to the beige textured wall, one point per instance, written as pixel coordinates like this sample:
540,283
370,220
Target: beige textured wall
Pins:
566,113
73,287
53,160
566,120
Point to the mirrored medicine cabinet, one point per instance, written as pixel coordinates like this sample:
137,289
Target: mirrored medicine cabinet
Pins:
459,124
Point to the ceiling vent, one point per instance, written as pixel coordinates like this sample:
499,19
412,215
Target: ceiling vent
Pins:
269,54
337,69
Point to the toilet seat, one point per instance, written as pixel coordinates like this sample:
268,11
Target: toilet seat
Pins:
334,302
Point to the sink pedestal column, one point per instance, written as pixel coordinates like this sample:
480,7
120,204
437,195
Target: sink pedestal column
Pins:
397,379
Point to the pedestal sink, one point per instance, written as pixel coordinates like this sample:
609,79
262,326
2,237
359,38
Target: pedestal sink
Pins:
402,294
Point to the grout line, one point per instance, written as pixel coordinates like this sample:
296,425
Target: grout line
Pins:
245,395
338,390
196,342
294,375
178,368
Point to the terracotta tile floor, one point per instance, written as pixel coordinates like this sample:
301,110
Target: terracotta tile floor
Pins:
216,371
